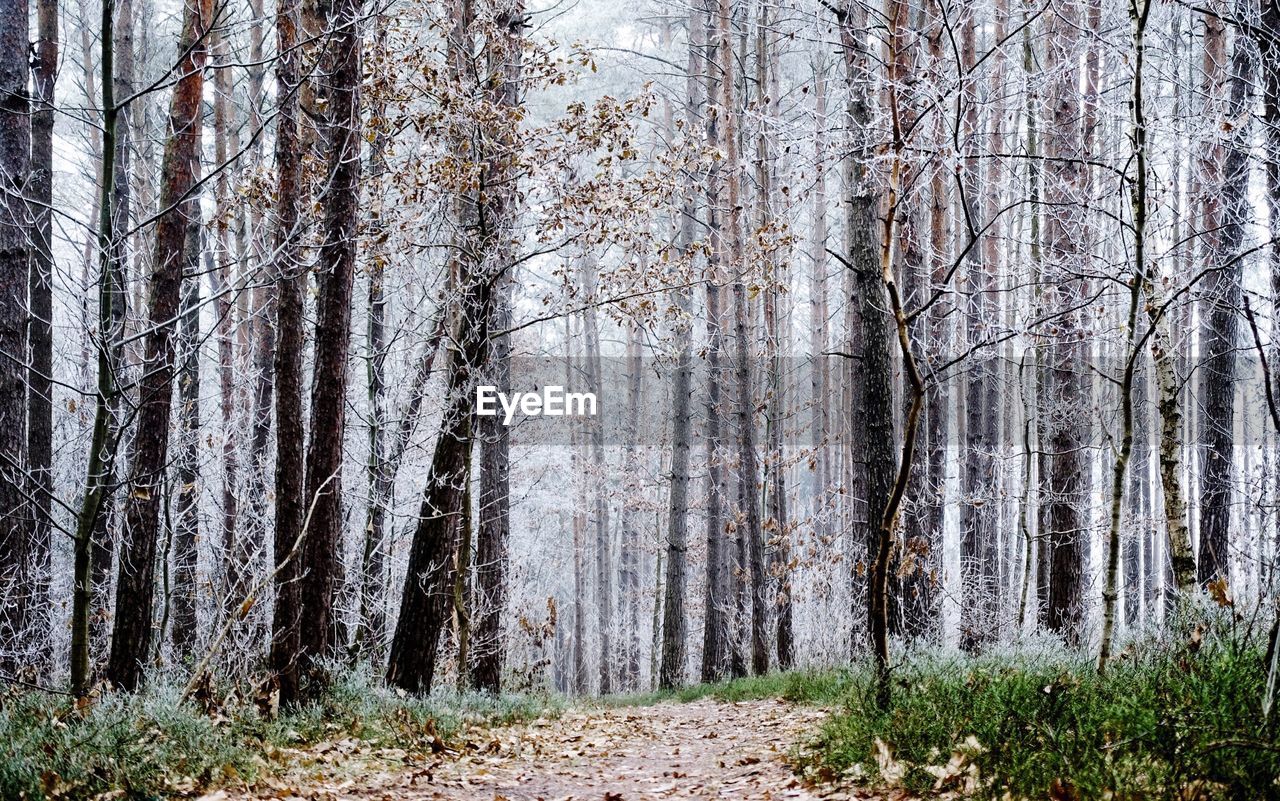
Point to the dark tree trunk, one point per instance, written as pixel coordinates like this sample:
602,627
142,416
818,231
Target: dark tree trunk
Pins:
1064,522
873,411
674,619
186,534
489,649
287,362
427,586
335,271
1218,338
40,288
15,254
135,584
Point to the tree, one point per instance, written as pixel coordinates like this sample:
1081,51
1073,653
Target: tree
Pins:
135,583
15,254
290,283
1063,514
674,624
1227,185
321,565
40,294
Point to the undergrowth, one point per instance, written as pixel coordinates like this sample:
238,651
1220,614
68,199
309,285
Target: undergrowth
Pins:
1171,718
151,745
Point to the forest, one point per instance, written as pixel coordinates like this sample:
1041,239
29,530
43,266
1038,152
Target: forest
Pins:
678,398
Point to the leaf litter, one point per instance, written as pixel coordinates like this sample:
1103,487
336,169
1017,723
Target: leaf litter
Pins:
706,749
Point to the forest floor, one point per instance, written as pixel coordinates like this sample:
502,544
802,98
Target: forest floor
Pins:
708,749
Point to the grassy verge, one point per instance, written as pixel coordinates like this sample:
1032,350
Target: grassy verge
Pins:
814,687
150,745
1170,719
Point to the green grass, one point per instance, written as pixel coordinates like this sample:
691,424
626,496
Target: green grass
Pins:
151,746
1169,719
1176,717
813,687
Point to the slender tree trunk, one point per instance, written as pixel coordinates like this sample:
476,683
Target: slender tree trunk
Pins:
40,289
102,447
1064,521
187,467
715,618
674,621
492,554
371,628
226,148
16,250
321,551
1223,298
979,520
287,363
135,583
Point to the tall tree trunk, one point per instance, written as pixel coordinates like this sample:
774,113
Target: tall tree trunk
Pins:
979,512
749,531
16,250
494,518
715,618
186,535
629,546
674,621
874,410
820,380
135,583
287,363
600,502
88,545
322,547
1223,297
372,624
40,289
1064,520
225,253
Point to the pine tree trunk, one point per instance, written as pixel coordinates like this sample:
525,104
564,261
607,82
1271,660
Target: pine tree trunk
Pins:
716,600
287,362
135,583
1223,293
15,253
40,334
335,271
1064,521
492,555
187,464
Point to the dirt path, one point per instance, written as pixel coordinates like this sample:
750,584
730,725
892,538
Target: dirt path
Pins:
706,750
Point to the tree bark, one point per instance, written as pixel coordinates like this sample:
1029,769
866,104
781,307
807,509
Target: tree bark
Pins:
135,583
1064,522
322,548
15,254
287,362
40,289
1223,294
